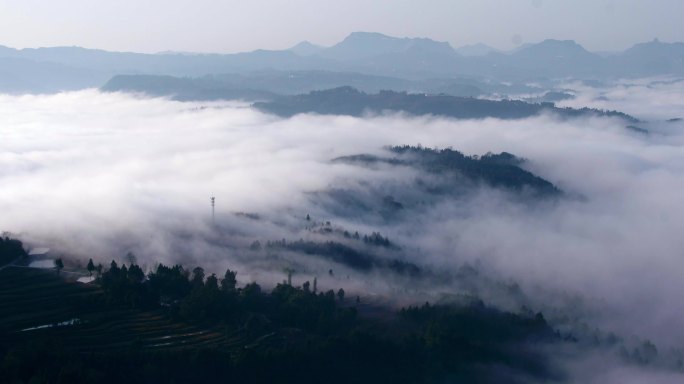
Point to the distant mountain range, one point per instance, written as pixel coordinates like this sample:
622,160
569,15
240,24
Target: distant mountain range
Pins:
363,53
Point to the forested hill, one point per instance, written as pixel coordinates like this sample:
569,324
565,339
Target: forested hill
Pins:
176,325
502,170
352,102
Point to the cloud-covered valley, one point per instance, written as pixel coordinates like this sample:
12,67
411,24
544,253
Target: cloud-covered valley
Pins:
98,175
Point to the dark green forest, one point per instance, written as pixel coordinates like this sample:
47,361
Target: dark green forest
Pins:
502,170
10,250
352,102
285,334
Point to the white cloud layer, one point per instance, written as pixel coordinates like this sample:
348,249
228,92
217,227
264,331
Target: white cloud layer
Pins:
101,173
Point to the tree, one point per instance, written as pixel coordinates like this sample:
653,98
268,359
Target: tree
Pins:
289,271
198,276
251,295
212,283
169,282
136,274
229,281
131,258
340,294
59,265
91,267
256,245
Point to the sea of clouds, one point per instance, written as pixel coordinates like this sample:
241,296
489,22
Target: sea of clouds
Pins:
100,174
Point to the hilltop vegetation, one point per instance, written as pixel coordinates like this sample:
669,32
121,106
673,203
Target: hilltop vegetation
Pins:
496,170
176,325
349,101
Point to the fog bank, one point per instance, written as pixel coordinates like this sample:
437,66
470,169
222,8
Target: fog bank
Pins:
98,175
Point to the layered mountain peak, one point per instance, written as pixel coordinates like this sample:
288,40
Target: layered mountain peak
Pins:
657,47
554,48
360,45
306,48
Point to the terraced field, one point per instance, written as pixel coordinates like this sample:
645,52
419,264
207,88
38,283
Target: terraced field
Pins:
39,305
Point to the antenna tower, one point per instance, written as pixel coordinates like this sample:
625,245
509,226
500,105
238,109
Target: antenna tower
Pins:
213,203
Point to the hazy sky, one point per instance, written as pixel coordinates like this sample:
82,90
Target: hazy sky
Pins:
232,26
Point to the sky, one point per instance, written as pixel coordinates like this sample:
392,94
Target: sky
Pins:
228,26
